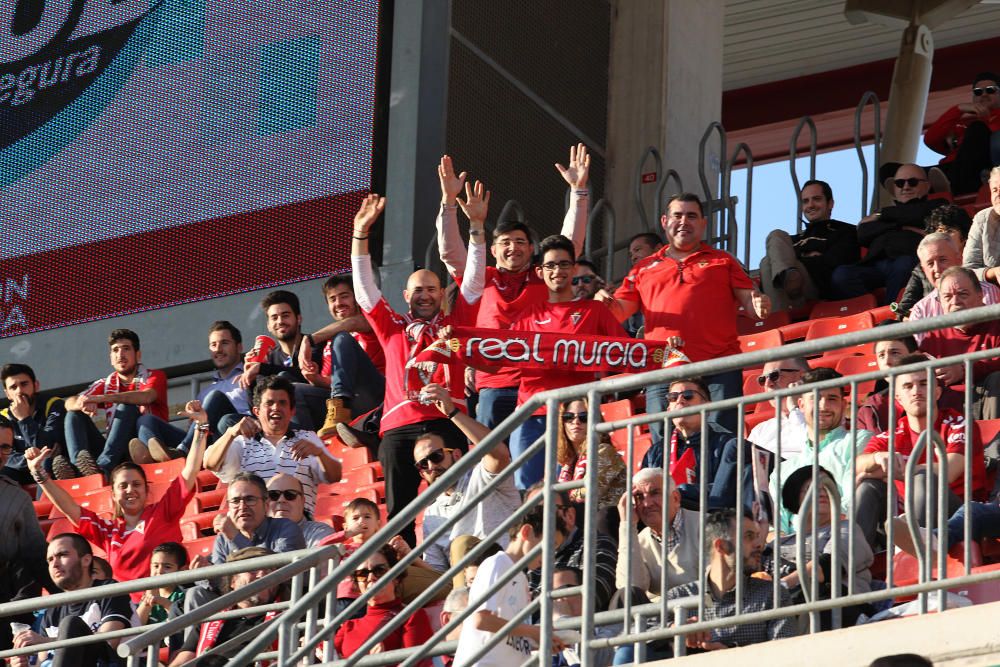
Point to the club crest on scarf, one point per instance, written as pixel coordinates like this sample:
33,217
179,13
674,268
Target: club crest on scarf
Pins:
428,359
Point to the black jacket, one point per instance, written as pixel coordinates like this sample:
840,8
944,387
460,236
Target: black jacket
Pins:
838,243
885,237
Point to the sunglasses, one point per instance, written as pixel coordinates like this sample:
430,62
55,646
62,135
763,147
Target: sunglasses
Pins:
586,280
289,494
434,457
687,395
988,90
912,182
575,416
552,266
376,572
774,375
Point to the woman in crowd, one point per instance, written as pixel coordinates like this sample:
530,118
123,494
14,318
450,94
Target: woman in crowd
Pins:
383,605
571,454
130,537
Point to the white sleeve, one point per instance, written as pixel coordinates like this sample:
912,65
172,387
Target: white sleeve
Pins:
318,471
575,222
233,463
366,292
450,244
474,280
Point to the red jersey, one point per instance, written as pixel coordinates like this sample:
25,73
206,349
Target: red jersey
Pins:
692,299
950,341
414,631
954,122
505,297
569,317
144,379
128,550
950,425
368,342
402,337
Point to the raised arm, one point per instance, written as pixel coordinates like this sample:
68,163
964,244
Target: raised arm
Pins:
352,324
366,292
498,457
59,496
450,244
194,411
475,207
576,174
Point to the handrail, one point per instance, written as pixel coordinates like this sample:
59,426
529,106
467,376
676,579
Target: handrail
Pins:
602,210
714,204
869,96
793,150
810,509
941,453
741,147
640,205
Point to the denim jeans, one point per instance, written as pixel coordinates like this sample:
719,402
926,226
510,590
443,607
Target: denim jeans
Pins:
221,413
985,523
853,280
82,433
526,434
354,377
495,405
151,426
721,385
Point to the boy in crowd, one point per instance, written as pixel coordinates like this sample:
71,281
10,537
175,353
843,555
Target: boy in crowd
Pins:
155,603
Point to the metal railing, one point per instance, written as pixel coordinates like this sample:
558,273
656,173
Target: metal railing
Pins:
859,147
301,629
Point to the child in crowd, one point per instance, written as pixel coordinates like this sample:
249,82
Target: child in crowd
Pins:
101,569
155,603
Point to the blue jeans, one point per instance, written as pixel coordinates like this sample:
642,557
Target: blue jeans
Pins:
721,385
354,377
495,405
221,413
82,433
625,654
526,434
151,426
985,523
853,280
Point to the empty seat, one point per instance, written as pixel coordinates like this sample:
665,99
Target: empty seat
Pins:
855,364
842,308
98,502
747,325
81,485
201,547
163,472
761,341
833,326
987,429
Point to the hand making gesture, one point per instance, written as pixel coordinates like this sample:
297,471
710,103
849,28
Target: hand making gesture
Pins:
579,167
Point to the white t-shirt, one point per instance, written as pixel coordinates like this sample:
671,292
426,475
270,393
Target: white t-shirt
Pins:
514,597
793,434
480,522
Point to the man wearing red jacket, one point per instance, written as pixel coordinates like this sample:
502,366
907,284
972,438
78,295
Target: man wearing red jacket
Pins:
966,134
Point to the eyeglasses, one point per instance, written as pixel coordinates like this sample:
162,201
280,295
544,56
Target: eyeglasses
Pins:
988,90
687,395
376,572
434,457
552,266
639,496
912,182
575,416
6,449
249,501
774,375
289,494
586,280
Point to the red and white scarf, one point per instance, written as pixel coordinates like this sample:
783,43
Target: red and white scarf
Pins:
114,384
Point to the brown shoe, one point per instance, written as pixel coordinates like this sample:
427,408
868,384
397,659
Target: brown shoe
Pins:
336,413
86,464
139,452
161,453
62,468
353,437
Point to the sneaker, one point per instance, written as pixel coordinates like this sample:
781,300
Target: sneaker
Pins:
938,180
336,413
86,464
139,452
62,468
353,437
161,453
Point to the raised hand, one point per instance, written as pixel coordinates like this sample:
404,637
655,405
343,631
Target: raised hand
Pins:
451,185
371,208
578,171
194,411
477,202
36,457
249,374
440,396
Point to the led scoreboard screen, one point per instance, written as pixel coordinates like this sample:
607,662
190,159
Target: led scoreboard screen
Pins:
154,152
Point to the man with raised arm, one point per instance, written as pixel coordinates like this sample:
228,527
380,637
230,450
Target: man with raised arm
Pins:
512,285
689,294
405,417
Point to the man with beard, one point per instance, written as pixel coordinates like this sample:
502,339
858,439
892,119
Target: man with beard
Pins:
512,285
405,416
223,401
69,559
267,445
216,633
35,422
129,391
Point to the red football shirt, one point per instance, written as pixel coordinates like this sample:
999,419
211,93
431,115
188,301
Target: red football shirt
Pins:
692,299
950,425
129,551
505,297
950,341
148,379
582,317
368,342
391,329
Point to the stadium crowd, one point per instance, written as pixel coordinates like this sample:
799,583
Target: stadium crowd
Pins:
271,431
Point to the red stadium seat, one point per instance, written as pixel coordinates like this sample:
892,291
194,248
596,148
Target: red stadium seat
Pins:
349,482
98,502
747,325
206,480
882,313
750,384
833,326
855,364
352,457
842,308
761,341
163,472
795,330
81,485
200,547
987,429
197,525
211,499
334,505
946,196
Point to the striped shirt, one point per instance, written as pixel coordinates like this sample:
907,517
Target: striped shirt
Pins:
260,456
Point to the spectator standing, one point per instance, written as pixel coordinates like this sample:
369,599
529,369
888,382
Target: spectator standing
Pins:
35,421
586,281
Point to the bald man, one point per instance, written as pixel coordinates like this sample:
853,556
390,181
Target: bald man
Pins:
405,417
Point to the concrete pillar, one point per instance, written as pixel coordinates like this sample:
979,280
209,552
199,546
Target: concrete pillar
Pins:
665,88
911,79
